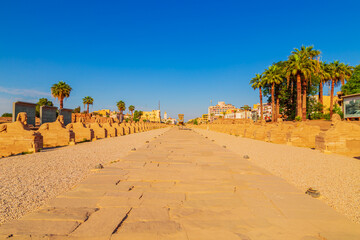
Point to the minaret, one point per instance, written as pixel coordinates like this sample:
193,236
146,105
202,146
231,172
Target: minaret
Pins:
165,115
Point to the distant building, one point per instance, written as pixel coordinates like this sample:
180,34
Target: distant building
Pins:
326,101
219,109
103,112
165,115
204,118
151,116
267,111
238,114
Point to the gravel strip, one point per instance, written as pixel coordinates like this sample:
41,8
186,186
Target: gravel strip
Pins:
28,181
337,177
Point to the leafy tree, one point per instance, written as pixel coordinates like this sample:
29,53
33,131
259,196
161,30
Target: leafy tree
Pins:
88,101
6,115
60,91
77,110
257,83
137,115
42,102
352,86
195,121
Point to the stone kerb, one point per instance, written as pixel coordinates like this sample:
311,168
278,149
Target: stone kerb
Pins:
17,137
28,108
47,114
67,113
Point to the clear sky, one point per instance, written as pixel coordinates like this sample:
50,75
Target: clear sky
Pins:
183,53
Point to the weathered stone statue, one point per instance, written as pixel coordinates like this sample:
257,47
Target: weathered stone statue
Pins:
110,128
55,134
17,137
99,131
82,133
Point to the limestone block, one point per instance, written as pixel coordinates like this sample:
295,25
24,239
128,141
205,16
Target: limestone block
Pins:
55,134
260,133
249,130
303,135
17,137
278,133
342,137
82,133
99,131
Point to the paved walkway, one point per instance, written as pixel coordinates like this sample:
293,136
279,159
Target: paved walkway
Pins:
183,186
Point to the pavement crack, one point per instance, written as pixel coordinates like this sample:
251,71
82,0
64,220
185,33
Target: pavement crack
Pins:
122,221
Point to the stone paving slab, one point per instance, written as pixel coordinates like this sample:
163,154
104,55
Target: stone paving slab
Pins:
182,186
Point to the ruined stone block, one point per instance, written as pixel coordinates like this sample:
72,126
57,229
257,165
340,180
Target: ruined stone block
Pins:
303,135
342,137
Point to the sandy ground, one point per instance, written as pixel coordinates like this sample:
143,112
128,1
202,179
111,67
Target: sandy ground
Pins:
28,181
183,186
336,177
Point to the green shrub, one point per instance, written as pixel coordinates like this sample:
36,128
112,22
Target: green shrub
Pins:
298,118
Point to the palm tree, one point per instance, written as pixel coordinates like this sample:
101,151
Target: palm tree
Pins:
272,76
307,55
301,66
121,106
88,101
338,73
323,74
131,109
60,91
257,82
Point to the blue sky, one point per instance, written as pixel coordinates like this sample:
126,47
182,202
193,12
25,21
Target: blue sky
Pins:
183,53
